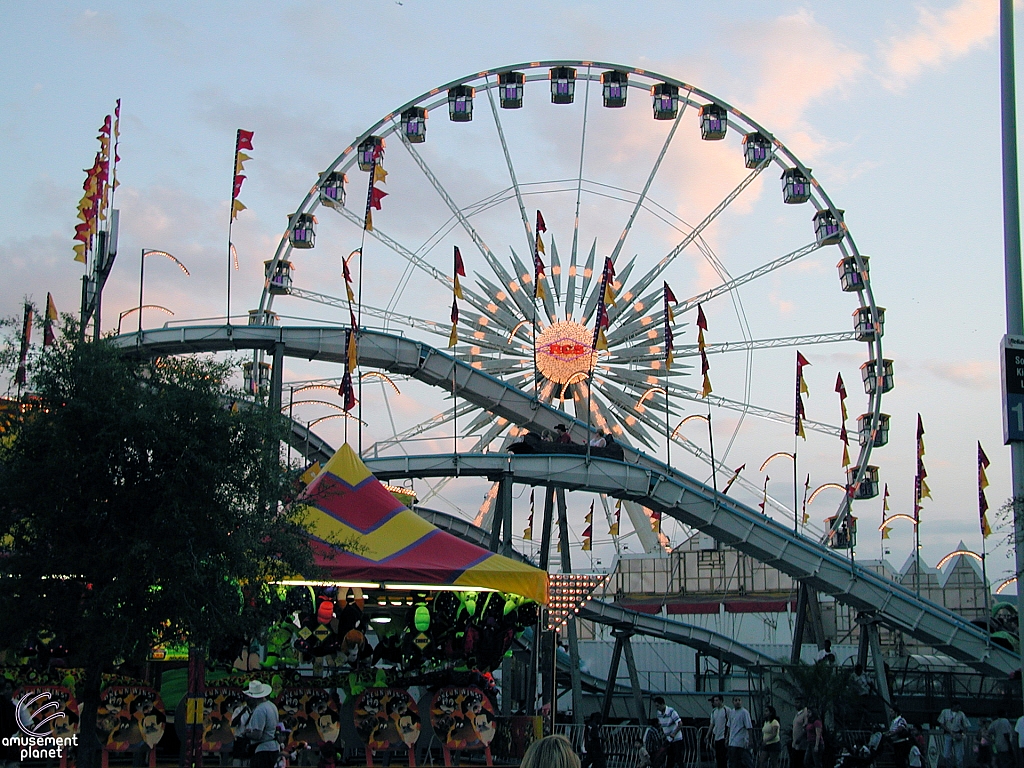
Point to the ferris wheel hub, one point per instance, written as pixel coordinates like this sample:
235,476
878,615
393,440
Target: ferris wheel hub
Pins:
565,352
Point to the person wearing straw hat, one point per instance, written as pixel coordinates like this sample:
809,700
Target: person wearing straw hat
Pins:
261,729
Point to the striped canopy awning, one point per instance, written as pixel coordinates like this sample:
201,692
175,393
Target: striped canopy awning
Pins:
391,544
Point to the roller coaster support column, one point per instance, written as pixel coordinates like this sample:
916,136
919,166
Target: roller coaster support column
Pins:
869,627
277,379
807,611
502,517
544,647
613,673
570,624
634,681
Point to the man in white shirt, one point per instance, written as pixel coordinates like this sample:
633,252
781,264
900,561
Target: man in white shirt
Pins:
954,723
716,732
1019,728
672,728
738,725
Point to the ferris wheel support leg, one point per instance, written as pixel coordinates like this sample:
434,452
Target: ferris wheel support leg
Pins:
808,617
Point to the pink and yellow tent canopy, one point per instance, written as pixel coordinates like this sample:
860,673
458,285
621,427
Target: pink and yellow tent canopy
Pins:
345,502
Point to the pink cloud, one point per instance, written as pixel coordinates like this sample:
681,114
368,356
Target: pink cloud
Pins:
939,38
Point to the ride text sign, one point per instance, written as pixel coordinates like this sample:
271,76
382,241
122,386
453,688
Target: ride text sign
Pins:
1012,361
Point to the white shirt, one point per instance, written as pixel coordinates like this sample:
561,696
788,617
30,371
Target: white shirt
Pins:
1019,728
719,718
671,724
954,723
739,723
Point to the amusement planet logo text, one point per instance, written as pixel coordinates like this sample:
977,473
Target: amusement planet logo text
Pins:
35,712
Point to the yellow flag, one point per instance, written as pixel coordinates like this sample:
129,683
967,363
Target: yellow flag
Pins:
351,296
240,158
707,387
458,288
613,529
540,245
925,493
368,223
803,386
379,174
236,207
541,292
80,253
586,545
700,339
885,531
602,342
609,294
806,519
668,359
846,456
528,534
800,428
453,338
353,354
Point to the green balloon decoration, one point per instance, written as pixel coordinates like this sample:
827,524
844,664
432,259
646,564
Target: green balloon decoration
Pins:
421,618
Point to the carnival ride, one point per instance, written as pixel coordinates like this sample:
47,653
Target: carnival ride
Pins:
527,352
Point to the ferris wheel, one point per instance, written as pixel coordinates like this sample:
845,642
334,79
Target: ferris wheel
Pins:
583,164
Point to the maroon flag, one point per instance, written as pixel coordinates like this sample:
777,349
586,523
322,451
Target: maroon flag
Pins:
801,389
348,394
983,464
21,377
460,268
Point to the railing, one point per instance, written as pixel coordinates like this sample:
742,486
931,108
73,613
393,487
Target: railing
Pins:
622,744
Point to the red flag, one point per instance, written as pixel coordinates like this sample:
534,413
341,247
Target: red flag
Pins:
239,178
460,268
541,226
376,195
105,128
243,140
801,361
455,310
669,296
348,395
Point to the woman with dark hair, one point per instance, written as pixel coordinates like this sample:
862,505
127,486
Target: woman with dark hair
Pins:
771,742
815,740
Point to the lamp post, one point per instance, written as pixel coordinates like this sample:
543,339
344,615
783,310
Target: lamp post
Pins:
142,276
711,445
138,309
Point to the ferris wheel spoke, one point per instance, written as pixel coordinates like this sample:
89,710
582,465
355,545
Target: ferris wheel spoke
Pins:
418,261
588,275
381,314
691,350
511,169
579,175
685,393
754,274
438,420
659,269
647,186
456,211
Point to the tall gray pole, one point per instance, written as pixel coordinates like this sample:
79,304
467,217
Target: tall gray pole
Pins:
1011,256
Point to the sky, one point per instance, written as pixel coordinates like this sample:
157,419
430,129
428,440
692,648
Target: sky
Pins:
894,106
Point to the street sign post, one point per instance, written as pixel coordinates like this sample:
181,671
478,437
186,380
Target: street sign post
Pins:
1012,361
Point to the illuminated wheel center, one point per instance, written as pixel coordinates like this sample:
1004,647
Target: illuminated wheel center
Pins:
565,352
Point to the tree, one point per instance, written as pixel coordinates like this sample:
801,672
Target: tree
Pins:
139,506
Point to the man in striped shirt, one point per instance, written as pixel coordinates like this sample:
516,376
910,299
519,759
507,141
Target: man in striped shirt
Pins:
672,728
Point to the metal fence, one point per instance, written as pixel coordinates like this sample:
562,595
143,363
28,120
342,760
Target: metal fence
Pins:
624,744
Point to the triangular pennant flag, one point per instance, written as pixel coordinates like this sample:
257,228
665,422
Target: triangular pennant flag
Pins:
613,529
706,388
460,267
541,226
453,337
353,352
368,221
79,253
48,320
376,195
236,208
240,159
379,174
243,139
590,515
348,394
239,178
735,474
764,498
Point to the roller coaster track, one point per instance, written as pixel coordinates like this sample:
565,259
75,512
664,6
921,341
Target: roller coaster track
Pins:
639,477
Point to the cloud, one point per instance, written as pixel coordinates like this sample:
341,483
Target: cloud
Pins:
799,61
971,374
939,38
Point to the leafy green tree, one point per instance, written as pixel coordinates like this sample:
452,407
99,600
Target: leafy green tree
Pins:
828,690
139,506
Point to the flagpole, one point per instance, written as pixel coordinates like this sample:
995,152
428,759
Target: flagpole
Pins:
796,482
